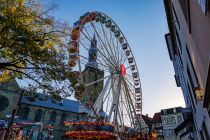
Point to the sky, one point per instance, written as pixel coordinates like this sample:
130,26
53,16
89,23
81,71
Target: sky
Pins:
144,24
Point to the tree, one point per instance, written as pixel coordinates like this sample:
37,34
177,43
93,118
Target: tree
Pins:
34,47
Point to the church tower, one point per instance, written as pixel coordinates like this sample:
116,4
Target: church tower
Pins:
91,74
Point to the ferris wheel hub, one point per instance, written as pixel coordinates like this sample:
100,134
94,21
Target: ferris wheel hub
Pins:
123,69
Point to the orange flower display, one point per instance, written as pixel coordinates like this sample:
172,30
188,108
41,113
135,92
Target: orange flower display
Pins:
79,130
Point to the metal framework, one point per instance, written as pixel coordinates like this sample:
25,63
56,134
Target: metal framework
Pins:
121,96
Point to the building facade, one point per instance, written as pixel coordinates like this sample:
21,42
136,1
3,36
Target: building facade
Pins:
146,124
186,129
157,126
188,43
171,118
46,111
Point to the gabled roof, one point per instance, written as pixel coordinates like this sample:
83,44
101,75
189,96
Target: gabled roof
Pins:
65,105
147,120
156,118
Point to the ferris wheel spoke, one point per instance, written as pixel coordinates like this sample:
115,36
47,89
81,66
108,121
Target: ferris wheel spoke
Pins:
122,57
114,106
120,114
130,100
104,66
129,106
102,43
116,48
128,113
87,33
108,94
97,81
100,52
98,104
109,45
101,63
132,91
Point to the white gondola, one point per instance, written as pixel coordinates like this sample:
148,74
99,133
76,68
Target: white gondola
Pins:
124,46
127,52
130,60
133,67
137,90
135,75
121,39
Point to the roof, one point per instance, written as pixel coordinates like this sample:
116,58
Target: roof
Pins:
156,118
65,104
147,120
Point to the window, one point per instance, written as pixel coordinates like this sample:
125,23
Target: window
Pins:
164,112
163,121
203,5
24,113
53,117
38,115
179,119
174,110
168,132
173,121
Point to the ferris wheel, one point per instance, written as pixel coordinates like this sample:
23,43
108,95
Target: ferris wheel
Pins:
97,44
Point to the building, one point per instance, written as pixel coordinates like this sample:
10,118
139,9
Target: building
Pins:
186,129
157,126
146,124
91,74
38,109
46,111
188,44
171,118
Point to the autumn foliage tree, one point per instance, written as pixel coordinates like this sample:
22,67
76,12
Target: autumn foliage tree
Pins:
33,47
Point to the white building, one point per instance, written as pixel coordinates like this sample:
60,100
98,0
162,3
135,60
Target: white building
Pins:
171,118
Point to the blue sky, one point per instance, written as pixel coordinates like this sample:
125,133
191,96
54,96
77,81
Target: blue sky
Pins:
143,22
